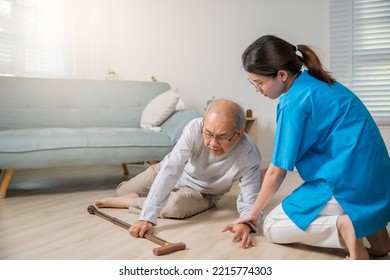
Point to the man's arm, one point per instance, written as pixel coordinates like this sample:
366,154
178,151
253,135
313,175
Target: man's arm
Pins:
249,190
170,171
272,181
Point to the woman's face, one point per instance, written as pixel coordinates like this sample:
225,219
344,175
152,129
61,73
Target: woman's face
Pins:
270,86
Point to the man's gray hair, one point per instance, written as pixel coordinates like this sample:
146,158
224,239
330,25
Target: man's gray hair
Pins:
228,107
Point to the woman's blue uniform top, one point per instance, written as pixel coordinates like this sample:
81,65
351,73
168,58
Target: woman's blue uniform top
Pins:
330,137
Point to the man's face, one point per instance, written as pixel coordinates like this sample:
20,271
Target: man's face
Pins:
218,134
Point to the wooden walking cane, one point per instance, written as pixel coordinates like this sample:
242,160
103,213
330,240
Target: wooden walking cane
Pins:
166,247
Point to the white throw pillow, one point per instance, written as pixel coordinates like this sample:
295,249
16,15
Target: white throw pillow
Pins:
180,105
159,109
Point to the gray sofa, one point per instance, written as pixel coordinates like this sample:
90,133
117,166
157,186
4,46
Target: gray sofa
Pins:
58,122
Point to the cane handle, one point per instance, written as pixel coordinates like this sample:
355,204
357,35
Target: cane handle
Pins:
169,248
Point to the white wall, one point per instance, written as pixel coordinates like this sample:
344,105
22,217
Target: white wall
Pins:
196,46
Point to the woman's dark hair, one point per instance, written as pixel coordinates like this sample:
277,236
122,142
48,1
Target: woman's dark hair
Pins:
269,54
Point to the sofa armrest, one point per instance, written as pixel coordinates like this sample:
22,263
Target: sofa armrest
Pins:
174,125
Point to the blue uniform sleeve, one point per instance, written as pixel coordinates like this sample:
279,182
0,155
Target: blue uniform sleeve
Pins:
290,123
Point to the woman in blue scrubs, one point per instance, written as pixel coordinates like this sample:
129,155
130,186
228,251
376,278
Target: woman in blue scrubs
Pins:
328,135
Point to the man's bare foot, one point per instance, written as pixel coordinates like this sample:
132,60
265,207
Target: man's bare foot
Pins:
124,201
355,246
380,243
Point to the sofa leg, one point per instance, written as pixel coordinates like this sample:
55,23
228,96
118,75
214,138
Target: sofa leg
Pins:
5,181
125,169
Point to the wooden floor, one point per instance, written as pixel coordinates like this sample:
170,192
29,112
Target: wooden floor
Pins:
44,217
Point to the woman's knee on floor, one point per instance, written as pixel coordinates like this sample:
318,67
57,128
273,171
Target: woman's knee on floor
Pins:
281,232
267,228
277,225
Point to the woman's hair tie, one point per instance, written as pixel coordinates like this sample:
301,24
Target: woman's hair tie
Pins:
297,51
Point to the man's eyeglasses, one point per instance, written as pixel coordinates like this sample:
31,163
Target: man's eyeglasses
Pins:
259,86
219,139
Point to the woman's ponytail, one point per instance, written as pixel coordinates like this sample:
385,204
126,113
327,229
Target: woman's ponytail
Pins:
313,63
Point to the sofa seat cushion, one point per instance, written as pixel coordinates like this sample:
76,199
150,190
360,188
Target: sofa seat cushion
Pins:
24,140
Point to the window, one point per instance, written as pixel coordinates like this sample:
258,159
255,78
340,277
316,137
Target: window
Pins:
55,38
31,38
360,51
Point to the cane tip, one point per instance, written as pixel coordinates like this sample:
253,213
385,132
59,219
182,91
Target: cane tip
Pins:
91,209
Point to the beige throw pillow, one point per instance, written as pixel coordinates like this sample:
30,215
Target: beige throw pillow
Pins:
159,109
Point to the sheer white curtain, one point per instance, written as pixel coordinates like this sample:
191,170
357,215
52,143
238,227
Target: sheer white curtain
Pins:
87,31
55,38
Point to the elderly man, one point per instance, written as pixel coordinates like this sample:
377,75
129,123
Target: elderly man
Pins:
212,153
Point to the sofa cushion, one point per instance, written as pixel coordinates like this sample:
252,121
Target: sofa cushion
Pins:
159,109
23,140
